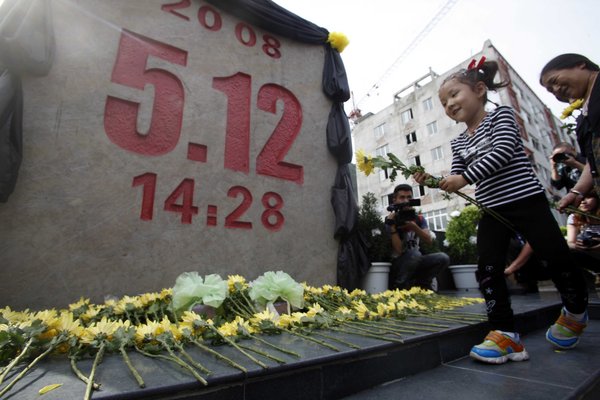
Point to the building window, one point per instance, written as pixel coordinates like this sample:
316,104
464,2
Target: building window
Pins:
411,137
428,104
382,175
384,201
432,128
437,219
382,151
416,160
380,131
437,153
418,191
407,115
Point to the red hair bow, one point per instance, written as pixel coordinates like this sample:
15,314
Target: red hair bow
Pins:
476,65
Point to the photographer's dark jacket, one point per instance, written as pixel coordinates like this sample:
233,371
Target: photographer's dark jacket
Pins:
410,240
588,133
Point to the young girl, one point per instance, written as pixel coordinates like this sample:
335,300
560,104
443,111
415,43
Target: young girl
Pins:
490,154
570,77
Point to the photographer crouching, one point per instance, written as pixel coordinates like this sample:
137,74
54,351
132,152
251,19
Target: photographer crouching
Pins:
406,228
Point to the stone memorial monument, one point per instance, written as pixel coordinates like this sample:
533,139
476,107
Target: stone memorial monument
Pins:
164,137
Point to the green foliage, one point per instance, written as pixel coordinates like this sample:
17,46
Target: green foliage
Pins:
372,226
459,233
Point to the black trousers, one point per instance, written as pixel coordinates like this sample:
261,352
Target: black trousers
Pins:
532,218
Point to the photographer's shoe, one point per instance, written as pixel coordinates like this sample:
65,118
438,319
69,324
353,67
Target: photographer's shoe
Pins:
566,331
498,347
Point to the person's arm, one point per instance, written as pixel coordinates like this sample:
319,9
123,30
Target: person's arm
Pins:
423,233
521,259
394,233
572,232
575,195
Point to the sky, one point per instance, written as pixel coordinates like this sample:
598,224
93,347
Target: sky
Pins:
528,33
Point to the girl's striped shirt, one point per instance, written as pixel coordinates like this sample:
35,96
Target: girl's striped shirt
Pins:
494,159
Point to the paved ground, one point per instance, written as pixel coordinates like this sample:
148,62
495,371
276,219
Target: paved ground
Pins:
549,374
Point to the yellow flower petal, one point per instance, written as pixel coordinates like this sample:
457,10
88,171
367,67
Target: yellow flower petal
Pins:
48,388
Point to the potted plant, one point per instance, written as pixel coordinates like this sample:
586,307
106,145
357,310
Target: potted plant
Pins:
373,229
461,242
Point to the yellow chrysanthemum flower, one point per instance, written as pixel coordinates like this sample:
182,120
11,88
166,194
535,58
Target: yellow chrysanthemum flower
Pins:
165,293
148,331
285,321
265,315
68,324
571,107
314,310
15,317
338,41
81,303
148,298
101,330
91,313
228,329
3,327
364,162
232,280
345,310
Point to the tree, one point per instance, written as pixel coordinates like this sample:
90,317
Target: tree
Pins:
371,225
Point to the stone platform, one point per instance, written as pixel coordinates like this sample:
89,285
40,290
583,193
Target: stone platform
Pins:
322,373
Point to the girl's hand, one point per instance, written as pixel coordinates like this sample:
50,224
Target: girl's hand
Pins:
453,183
420,177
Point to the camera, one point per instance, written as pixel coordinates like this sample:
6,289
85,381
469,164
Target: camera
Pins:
404,212
560,157
588,238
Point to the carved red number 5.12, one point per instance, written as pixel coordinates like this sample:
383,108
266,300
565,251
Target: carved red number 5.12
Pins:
269,162
130,69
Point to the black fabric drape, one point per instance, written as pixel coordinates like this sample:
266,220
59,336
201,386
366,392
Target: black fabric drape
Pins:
11,137
352,253
26,48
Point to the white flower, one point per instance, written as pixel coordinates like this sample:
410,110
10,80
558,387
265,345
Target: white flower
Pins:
446,243
473,240
455,214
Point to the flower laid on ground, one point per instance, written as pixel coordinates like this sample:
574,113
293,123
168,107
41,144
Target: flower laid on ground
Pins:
277,285
191,289
148,325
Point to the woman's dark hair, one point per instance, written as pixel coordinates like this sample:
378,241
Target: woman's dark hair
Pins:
484,73
567,61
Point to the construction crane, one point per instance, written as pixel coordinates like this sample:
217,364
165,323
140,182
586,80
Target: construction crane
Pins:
415,42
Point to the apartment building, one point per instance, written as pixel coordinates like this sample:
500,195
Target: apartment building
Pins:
415,128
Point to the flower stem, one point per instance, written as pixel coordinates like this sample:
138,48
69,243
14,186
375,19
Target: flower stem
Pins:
89,387
80,374
27,369
380,337
16,360
192,361
352,345
220,356
262,353
292,353
174,359
231,342
306,337
134,371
